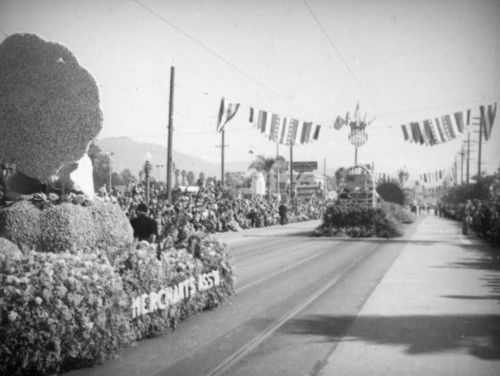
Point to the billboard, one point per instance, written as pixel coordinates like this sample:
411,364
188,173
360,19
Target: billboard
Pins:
304,166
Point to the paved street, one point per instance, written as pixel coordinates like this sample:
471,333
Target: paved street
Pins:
426,303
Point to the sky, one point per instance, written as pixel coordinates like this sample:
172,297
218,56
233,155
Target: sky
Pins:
312,60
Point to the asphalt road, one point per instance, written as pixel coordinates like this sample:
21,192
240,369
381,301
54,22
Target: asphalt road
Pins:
283,277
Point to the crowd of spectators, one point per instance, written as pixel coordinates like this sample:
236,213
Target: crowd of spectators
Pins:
210,209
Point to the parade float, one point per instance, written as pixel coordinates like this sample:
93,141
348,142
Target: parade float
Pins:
74,288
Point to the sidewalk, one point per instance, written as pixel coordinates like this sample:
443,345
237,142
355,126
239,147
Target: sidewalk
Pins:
435,312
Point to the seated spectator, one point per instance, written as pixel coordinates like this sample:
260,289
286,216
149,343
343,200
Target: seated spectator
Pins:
145,228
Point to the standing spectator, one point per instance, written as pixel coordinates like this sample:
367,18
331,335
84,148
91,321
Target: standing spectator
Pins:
145,228
283,212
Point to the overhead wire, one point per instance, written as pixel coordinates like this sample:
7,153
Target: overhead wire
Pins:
342,59
218,56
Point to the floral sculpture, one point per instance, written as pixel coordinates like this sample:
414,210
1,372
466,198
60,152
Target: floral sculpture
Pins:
49,106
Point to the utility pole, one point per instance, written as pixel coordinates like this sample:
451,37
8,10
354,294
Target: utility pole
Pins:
278,171
222,158
468,157
170,134
480,143
462,153
291,171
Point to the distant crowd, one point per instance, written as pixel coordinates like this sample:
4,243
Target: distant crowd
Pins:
211,209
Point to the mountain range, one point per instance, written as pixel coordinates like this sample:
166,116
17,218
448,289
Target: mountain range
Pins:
130,154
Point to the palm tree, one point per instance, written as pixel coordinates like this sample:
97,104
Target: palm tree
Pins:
190,178
183,174
264,165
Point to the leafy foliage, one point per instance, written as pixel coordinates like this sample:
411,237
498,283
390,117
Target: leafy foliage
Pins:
400,213
358,222
66,227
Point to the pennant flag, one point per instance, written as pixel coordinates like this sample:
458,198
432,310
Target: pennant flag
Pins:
487,119
306,132
405,133
440,131
262,121
275,123
425,138
316,132
292,132
448,127
339,123
417,135
226,113
284,131
460,121
251,115
429,130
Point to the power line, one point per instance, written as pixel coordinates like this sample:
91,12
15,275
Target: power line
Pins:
218,56
340,55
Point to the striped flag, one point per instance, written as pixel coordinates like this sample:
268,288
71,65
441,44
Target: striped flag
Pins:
262,121
448,127
275,127
430,131
226,113
285,126
292,132
417,135
440,131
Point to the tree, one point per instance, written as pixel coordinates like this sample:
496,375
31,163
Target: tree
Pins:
339,174
201,180
127,177
264,165
190,178
183,175
403,176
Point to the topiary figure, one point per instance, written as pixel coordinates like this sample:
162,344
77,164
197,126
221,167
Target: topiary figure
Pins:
94,228
49,106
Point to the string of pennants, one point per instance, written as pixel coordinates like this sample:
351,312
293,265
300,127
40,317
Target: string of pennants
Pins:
447,127
277,128
438,177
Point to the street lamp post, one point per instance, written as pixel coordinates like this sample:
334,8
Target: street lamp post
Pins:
158,166
110,169
147,170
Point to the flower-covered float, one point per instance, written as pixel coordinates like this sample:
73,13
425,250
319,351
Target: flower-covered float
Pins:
74,287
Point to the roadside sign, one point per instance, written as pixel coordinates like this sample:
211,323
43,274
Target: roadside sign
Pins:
306,191
304,166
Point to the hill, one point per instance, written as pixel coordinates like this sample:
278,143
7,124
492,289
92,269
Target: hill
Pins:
130,154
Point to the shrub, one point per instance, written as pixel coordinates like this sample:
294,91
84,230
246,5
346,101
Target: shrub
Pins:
358,222
59,311
67,227
400,213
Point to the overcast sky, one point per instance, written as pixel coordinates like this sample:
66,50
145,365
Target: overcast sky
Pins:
308,59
